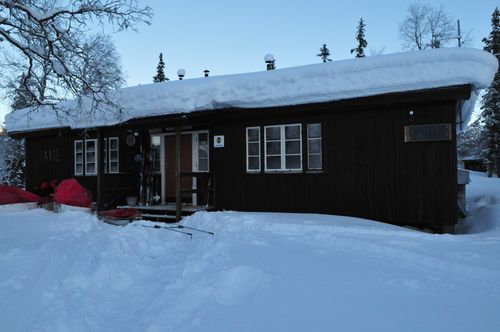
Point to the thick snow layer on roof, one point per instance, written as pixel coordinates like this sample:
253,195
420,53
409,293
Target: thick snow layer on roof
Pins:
315,83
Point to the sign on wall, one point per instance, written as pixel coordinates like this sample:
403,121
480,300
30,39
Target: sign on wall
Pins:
219,141
428,132
50,155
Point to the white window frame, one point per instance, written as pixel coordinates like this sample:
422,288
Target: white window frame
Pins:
110,160
283,153
95,162
82,153
158,152
258,155
195,144
196,149
320,153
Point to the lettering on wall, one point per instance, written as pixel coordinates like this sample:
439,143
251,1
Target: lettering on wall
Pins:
50,155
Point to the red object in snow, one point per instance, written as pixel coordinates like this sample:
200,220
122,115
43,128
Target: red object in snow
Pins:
70,192
12,195
121,213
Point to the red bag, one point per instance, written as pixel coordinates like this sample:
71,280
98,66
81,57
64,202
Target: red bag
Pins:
70,192
12,195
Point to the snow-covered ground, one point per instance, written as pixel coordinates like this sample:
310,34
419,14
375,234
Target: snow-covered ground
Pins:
260,272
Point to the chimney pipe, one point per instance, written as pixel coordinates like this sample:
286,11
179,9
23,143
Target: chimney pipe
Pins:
270,61
206,71
181,73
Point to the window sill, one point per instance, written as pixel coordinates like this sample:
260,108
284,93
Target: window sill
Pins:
286,172
315,171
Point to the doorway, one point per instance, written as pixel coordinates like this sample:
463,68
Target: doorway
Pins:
194,151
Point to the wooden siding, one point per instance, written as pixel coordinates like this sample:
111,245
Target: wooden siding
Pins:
369,171
40,169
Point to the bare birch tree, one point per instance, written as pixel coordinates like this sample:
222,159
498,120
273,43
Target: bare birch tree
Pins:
428,27
49,41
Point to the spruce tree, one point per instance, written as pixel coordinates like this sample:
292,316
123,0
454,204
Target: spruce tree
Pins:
360,37
12,152
491,103
324,53
160,73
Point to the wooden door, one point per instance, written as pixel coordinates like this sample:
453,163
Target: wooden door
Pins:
186,166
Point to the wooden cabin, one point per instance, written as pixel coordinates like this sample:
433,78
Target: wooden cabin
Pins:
359,138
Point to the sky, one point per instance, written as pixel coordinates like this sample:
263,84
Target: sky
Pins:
230,37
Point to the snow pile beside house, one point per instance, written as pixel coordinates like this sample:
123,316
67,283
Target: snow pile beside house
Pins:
260,272
316,83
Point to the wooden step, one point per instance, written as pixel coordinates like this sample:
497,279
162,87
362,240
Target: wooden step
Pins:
159,217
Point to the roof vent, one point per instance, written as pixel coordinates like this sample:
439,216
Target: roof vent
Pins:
270,61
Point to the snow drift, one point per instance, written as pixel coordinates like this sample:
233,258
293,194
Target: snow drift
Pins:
260,272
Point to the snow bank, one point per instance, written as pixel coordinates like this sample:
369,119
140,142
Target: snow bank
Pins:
483,205
260,272
316,83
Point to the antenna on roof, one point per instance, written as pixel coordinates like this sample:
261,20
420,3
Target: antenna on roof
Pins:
270,61
181,73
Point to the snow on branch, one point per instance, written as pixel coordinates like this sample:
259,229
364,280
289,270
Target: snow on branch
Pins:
53,35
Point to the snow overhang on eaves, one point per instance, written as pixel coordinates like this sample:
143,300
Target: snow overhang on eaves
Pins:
317,83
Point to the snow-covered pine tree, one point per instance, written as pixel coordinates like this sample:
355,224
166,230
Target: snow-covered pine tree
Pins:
160,71
12,153
324,53
360,37
13,160
470,141
491,103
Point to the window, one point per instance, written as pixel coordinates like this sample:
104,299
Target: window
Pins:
91,157
155,153
112,155
203,152
314,153
78,157
283,147
86,156
253,149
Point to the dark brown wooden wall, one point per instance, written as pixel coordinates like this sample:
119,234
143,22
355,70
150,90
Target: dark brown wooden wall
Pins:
369,171
52,157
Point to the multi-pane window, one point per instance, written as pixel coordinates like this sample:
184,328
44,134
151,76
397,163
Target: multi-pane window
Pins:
85,152
253,149
113,155
203,152
91,157
283,147
314,153
78,157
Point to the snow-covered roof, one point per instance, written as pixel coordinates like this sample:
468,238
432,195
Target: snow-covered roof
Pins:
323,82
